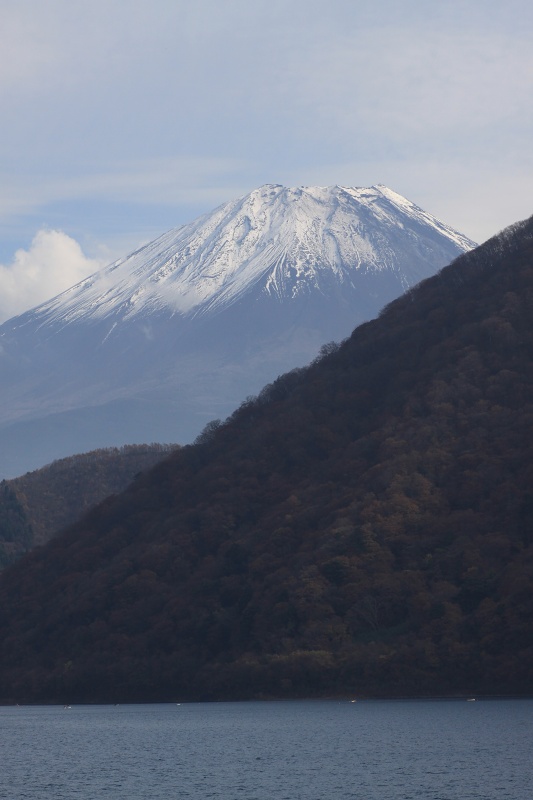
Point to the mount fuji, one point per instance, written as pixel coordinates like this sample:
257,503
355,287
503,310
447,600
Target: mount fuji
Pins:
179,332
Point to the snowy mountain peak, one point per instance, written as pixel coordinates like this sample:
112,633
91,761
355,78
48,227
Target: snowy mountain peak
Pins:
180,331
280,241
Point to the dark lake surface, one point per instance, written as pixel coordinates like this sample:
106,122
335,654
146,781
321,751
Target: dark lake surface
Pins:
290,750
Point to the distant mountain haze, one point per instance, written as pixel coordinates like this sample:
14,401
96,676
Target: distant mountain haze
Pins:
179,332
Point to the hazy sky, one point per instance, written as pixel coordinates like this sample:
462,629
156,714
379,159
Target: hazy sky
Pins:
124,118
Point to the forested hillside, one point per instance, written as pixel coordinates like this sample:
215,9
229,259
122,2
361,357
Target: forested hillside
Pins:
37,505
363,526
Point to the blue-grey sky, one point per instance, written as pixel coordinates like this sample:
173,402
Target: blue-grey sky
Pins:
124,118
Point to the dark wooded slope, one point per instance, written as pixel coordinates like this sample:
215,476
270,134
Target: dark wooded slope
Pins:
362,526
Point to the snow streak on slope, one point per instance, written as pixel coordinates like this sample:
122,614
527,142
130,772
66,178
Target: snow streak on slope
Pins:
283,241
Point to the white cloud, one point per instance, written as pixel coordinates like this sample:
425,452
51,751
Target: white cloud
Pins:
53,263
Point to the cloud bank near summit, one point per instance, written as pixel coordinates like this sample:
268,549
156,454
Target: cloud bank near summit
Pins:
52,263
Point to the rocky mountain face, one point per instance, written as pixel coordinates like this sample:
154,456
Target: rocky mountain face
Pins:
157,344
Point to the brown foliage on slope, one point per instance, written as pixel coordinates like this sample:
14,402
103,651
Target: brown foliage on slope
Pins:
37,505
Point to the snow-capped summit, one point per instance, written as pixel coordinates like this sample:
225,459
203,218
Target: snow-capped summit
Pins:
180,331
280,241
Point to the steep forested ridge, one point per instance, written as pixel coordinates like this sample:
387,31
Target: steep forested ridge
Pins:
37,505
364,525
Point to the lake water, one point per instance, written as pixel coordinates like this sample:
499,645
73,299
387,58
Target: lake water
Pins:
301,750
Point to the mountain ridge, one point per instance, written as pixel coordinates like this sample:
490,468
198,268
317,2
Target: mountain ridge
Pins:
38,505
238,221
363,526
